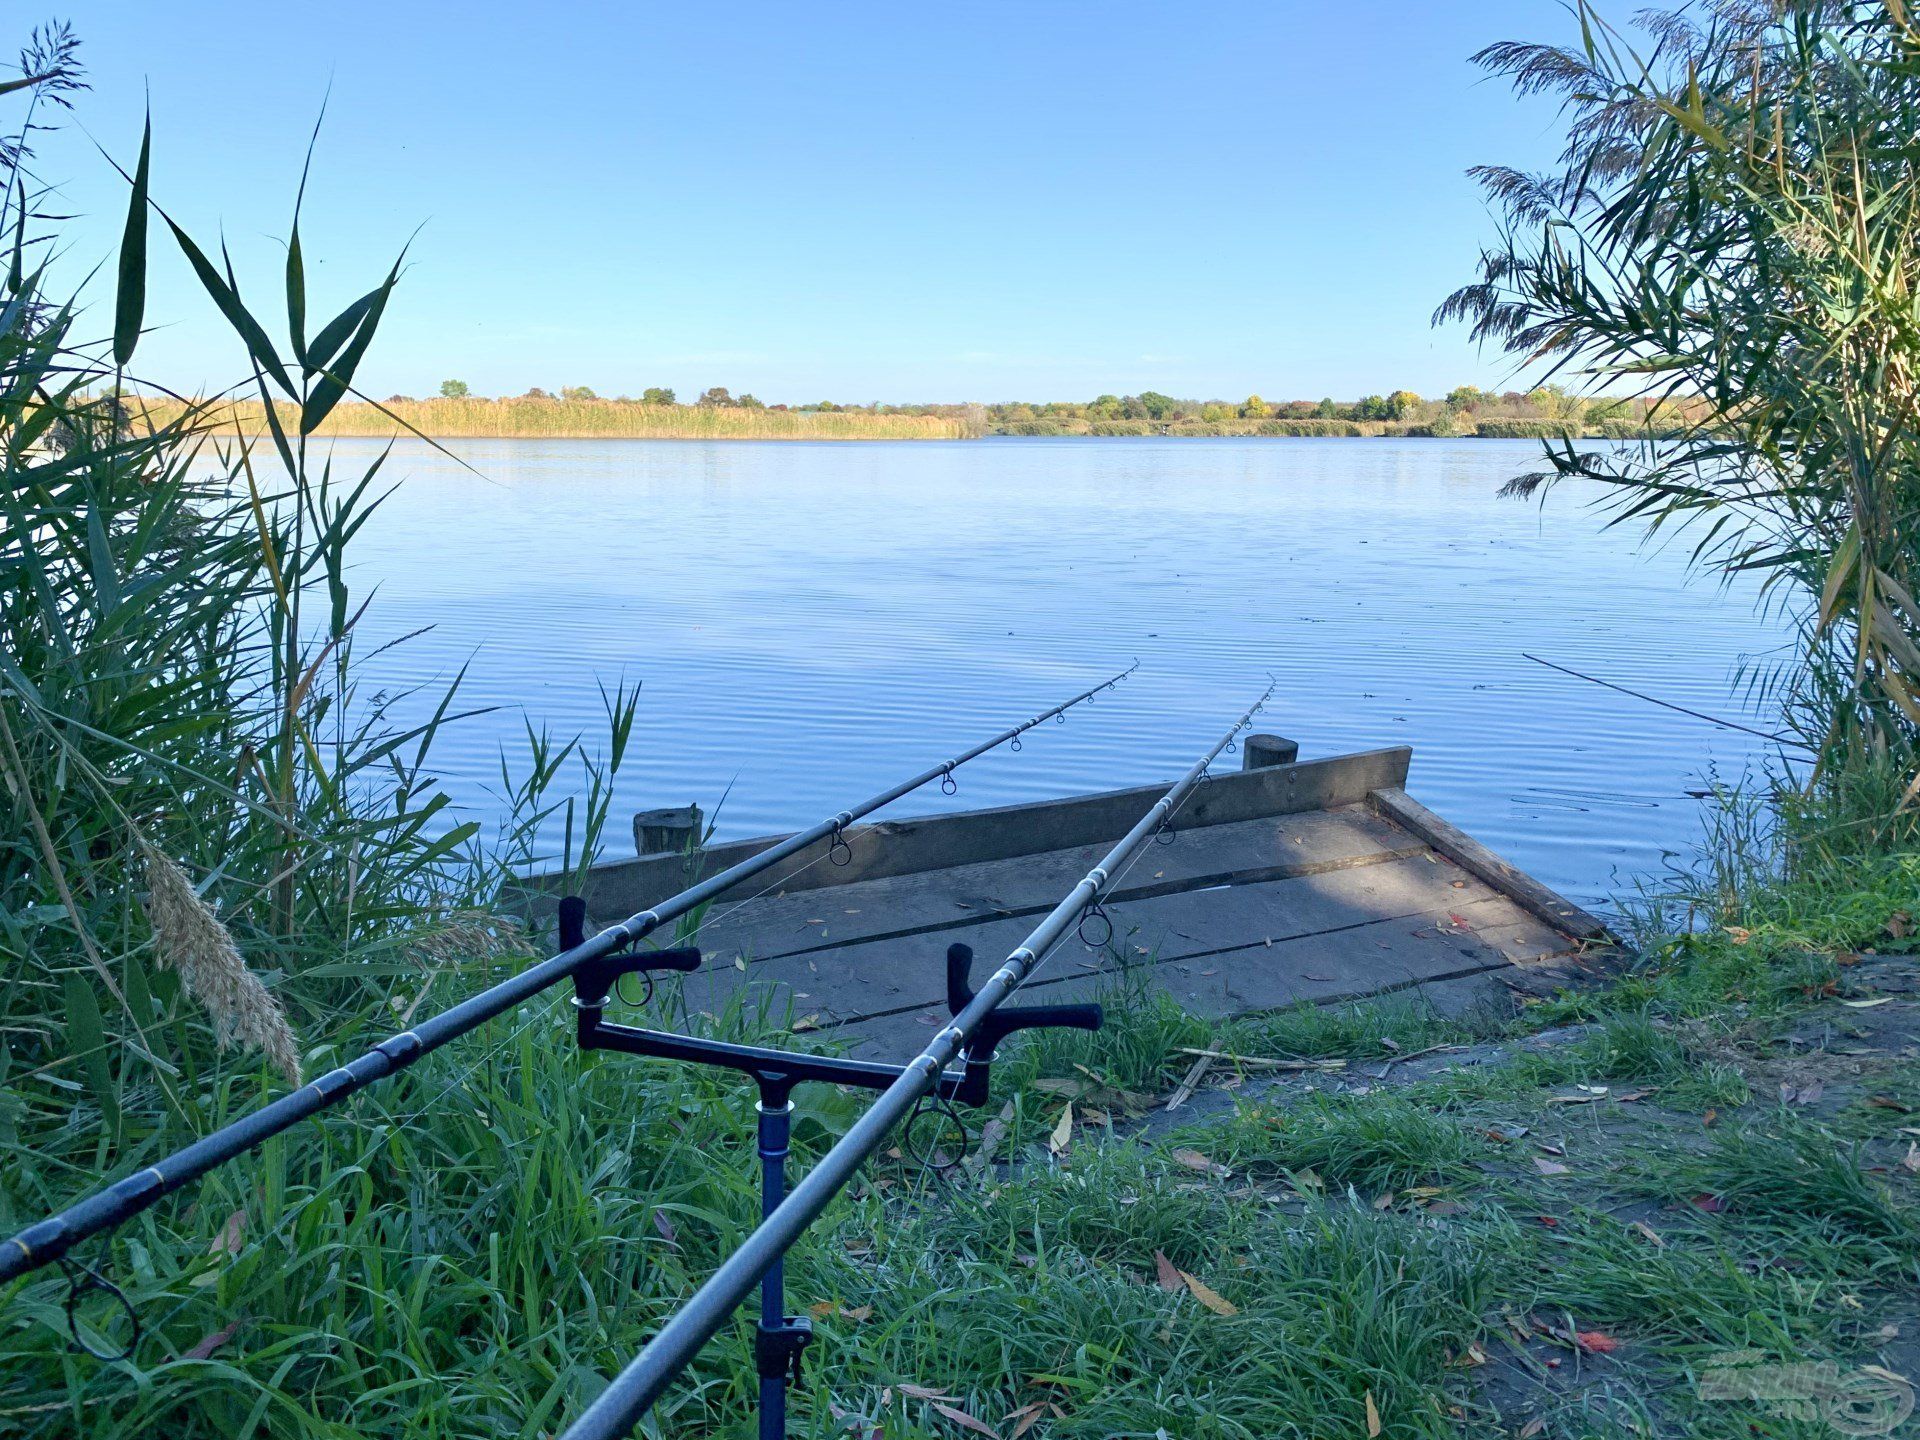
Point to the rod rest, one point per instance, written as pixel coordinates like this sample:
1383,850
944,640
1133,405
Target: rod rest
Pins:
594,980
1002,1023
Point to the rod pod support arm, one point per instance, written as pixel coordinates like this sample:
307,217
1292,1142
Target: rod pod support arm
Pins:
1001,1023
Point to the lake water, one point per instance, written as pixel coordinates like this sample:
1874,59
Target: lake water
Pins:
813,622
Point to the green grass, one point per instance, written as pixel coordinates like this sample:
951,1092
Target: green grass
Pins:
1372,1142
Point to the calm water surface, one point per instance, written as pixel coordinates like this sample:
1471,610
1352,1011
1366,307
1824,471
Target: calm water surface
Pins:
813,622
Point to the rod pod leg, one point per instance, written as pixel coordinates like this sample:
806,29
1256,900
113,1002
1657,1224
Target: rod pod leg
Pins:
780,1339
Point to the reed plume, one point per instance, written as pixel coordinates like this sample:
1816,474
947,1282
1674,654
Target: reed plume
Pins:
192,939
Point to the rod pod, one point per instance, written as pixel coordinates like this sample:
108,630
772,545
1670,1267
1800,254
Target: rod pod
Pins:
780,1340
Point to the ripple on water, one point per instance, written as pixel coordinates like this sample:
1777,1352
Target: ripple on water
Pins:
813,622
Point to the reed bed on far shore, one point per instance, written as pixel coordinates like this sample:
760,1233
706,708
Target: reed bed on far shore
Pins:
479,418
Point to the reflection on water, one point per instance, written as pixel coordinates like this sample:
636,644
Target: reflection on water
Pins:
813,622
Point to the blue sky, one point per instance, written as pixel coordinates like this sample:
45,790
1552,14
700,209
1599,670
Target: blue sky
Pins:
906,202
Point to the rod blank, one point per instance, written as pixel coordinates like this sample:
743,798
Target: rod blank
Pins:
631,1393
45,1242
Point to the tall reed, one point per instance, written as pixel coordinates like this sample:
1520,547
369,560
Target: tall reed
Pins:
1735,227
476,418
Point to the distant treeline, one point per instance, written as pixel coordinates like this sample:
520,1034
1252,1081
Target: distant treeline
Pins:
1513,415
576,411
1544,413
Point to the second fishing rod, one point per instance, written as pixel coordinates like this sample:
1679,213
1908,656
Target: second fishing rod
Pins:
51,1239
631,1393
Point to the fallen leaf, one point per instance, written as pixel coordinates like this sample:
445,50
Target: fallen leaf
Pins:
1373,1417
1532,1428
1167,1274
1548,1221
740,962
806,1023
1739,934
1475,1356
1649,1232
1596,1342
1910,1162
922,1392
1194,1160
1031,1417
1899,924
1868,1004
1550,1167
664,1225
1062,1132
207,1344
1631,1096
232,1237
1711,1204
1212,1299
1887,1102
1710,1117
1791,1094
834,1310
965,1421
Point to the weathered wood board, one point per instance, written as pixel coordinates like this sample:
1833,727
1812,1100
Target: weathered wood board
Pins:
1312,882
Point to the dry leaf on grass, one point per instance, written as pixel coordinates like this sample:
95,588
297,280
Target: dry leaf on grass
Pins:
1063,1132
1550,1167
1211,1298
207,1344
1373,1417
1166,1273
1194,1160
964,1420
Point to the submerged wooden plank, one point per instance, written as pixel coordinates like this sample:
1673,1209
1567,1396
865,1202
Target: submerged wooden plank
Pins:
1469,853
1241,851
902,847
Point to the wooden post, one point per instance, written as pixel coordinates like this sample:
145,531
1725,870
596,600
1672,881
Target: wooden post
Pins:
667,832
1259,752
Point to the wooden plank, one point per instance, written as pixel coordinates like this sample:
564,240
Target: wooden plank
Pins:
1380,958
1470,854
901,847
1273,848
849,982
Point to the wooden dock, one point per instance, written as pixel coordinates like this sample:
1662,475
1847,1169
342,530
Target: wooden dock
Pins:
1284,882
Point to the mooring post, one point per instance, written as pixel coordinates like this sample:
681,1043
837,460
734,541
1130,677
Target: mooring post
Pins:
1260,752
667,832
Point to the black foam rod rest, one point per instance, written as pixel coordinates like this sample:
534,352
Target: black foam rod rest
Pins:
1003,1022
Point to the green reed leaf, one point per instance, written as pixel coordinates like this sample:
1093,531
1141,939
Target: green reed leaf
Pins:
130,301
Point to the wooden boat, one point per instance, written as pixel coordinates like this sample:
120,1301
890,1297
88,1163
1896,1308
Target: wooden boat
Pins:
1286,881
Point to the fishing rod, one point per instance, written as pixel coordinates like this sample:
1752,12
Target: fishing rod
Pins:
631,1393
51,1239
